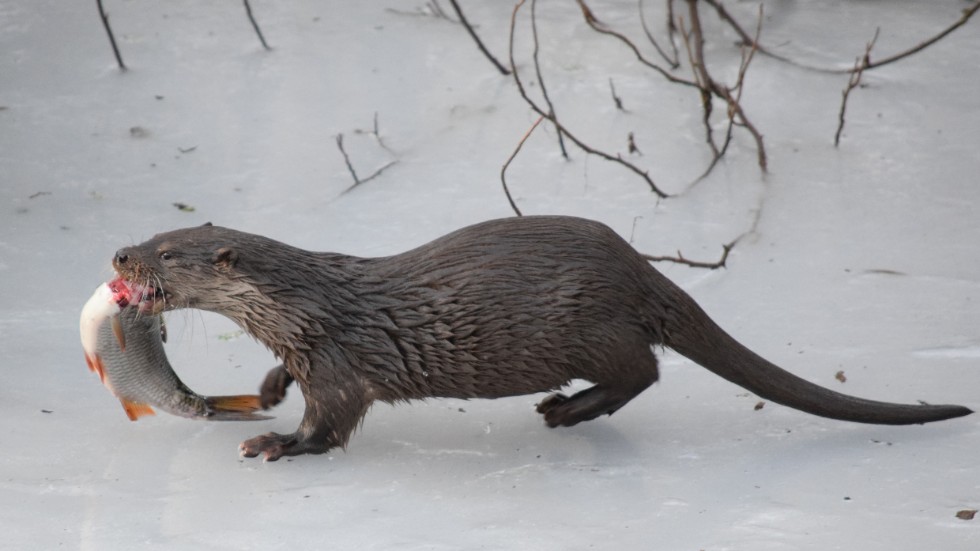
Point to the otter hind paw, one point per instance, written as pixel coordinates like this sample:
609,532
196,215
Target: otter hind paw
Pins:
551,402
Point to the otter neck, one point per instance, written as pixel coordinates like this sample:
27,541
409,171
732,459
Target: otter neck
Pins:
288,315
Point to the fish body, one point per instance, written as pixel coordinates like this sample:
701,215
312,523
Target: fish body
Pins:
129,357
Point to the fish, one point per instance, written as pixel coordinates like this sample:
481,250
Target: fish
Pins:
128,356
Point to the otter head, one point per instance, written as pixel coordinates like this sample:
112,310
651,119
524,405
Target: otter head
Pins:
190,267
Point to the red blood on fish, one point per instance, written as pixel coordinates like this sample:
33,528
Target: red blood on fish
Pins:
121,291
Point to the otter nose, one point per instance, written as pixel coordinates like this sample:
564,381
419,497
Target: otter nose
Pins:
121,256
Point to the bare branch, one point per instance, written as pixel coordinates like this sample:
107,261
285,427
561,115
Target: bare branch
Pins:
748,40
350,167
435,11
112,38
255,25
503,170
616,99
860,64
479,43
967,14
725,16
375,131
705,80
561,128
631,145
593,22
537,71
373,175
747,57
679,259
672,60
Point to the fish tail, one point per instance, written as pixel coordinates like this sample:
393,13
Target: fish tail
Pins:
243,403
135,410
234,408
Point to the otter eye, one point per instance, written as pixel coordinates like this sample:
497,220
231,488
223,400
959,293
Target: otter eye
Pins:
166,255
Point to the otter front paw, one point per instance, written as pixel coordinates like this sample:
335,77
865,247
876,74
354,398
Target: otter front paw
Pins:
273,388
274,445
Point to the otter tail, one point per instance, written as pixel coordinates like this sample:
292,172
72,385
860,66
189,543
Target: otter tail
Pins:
690,331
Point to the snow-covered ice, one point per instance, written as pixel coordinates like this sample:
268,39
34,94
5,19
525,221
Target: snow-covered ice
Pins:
864,259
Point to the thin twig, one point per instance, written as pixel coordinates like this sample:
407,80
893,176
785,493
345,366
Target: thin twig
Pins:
616,99
255,25
725,16
437,10
747,57
703,80
673,61
747,40
679,259
734,107
503,170
377,135
350,167
537,71
353,173
479,43
860,64
561,128
112,38
631,145
967,14
371,176
726,248
593,22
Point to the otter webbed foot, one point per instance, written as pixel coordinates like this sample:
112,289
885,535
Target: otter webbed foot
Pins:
273,387
551,402
274,445
564,411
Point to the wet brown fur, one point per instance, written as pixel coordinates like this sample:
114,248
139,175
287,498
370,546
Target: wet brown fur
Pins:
503,308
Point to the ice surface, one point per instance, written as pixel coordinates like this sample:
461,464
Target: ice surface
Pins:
864,260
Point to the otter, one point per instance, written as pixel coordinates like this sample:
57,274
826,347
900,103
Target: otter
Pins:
501,308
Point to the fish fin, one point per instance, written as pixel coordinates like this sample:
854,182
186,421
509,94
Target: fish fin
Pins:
135,410
234,408
117,329
95,365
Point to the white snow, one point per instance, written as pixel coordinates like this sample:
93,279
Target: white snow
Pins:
864,260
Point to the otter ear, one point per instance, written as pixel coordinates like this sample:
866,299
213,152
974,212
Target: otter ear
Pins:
225,258
206,225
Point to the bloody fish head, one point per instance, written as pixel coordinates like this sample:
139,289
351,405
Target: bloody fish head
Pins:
122,291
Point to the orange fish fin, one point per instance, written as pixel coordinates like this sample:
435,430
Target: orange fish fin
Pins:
245,403
117,329
95,365
135,410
